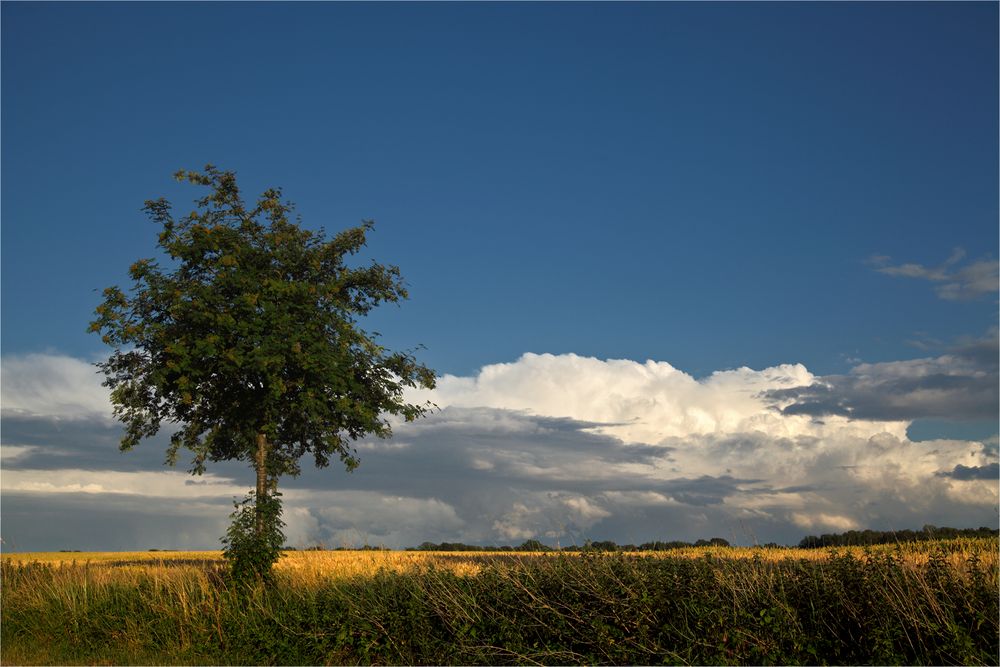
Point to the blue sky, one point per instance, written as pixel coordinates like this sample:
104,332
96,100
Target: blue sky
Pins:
710,185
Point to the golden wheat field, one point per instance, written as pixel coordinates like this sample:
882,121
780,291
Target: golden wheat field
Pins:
304,567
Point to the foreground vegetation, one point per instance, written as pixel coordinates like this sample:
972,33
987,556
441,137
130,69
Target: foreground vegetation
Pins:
933,603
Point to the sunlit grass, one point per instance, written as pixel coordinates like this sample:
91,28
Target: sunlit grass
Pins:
314,568
316,564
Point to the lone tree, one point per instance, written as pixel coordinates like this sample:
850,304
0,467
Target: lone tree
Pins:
248,340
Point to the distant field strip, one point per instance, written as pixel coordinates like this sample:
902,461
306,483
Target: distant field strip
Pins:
347,563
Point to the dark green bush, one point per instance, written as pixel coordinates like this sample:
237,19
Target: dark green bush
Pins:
254,540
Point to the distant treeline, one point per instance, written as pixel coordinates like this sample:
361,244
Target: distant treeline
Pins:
606,545
862,538
850,538
320,547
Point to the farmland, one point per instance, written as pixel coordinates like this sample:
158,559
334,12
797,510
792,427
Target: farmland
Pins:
928,603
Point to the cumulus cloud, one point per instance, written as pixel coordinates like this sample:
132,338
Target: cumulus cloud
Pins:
718,450
954,281
636,402
550,515
560,448
823,522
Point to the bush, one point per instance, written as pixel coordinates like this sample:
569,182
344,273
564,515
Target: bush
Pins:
253,543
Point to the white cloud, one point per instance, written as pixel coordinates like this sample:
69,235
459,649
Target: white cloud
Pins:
380,445
641,402
11,453
585,510
52,386
301,526
519,523
799,469
158,484
834,522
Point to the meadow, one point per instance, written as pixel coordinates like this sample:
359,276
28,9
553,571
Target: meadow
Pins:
926,603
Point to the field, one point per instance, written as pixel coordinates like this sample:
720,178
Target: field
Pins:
929,603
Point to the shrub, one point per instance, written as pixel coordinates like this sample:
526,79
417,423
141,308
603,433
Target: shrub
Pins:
254,540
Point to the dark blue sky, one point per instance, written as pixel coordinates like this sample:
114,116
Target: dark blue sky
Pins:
698,183
708,185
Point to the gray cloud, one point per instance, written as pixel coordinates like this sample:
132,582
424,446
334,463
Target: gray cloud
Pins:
497,477
953,280
981,352
960,385
99,522
89,444
961,472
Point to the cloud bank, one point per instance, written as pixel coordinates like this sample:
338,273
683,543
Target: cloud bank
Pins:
560,448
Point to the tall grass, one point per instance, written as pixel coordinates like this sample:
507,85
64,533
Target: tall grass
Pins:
937,605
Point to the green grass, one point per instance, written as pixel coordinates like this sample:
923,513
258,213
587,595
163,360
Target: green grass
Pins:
611,609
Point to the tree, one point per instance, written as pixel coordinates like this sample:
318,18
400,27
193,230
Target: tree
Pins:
249,340
533,545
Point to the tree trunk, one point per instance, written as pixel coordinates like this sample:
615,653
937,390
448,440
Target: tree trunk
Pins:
261,465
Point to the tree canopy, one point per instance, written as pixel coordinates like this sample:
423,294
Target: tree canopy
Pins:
248,337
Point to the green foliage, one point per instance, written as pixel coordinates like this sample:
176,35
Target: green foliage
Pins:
254,540
252,327
863,538
533,545
604,545
457,546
